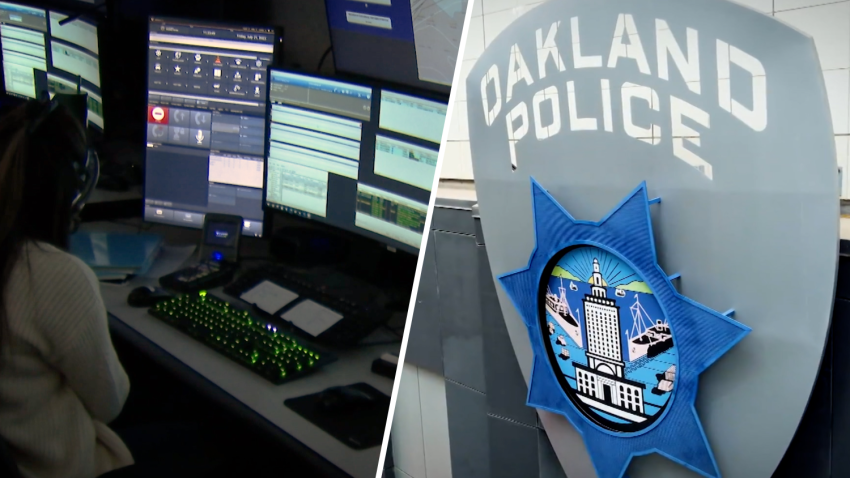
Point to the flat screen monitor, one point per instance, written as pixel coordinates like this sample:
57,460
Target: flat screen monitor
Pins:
356,157
40,56
206,122
409,42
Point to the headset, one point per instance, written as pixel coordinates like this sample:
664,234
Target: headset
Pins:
87,168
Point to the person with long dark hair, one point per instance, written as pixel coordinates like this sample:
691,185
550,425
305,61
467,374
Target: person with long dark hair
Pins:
60,379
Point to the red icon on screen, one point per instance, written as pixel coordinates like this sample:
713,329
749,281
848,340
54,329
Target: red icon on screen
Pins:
157,114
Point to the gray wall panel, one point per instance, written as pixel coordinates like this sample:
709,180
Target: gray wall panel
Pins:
513,449
457,220
506,388
460,310
842,288
467,412
424,345
550,467
841,388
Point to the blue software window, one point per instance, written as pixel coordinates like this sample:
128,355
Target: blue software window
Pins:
411,42
206,122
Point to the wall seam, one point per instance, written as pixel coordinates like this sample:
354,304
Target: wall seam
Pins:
464,386
453,233
515,422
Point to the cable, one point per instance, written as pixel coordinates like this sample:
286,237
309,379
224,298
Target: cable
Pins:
324,57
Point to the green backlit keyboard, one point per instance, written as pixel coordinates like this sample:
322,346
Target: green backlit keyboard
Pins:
241,337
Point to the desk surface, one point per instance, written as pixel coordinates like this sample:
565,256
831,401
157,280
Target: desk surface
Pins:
261,397
102,196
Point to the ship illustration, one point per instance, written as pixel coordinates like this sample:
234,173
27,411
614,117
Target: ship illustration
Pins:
561,340
573,287
551,329
565,354
665,381
559,308
646,339
620,293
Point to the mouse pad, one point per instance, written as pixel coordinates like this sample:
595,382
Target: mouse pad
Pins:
359,429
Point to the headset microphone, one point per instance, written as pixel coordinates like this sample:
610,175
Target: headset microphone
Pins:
86,169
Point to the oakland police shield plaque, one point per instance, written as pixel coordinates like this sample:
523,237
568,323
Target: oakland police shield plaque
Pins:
721,112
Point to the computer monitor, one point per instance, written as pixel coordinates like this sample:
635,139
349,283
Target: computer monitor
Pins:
206,122
409,42
356,157
40,56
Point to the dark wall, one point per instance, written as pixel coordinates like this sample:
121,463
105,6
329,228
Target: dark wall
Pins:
458,331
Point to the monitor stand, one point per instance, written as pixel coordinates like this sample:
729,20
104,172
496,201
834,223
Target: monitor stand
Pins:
375,263
307,247
360,259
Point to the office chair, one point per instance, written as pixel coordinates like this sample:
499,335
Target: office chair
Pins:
8,467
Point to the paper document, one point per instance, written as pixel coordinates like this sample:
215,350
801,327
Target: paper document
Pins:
171,259
269,297
311,317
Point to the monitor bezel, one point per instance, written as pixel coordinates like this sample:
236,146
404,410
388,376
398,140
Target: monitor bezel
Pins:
277,54
376,86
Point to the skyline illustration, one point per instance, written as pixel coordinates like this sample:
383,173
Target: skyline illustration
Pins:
578,266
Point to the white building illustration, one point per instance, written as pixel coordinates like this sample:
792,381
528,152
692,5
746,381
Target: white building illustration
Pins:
602,383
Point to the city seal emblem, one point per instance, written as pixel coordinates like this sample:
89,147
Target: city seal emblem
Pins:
617,349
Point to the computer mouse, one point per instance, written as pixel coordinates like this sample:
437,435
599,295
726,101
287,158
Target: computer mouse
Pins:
146,297
344,399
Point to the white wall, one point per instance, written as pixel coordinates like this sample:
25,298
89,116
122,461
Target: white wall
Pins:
489,18
827,21
420,428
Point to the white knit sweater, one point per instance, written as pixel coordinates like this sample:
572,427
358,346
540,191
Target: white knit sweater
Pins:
60,379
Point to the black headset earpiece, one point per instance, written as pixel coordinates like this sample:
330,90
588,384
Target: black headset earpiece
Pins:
86,169
45,109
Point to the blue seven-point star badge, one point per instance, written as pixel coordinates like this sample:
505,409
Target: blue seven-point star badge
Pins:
617,350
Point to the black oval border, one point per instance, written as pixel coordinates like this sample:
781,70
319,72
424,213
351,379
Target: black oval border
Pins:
583,408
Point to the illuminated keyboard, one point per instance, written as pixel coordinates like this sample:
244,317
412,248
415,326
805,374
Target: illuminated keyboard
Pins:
348,297
241,337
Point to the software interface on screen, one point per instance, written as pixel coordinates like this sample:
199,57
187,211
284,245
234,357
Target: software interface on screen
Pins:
39,55
206,122
413,42
358,158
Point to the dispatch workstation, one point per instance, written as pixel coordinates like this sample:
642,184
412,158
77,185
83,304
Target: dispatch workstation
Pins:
270,259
